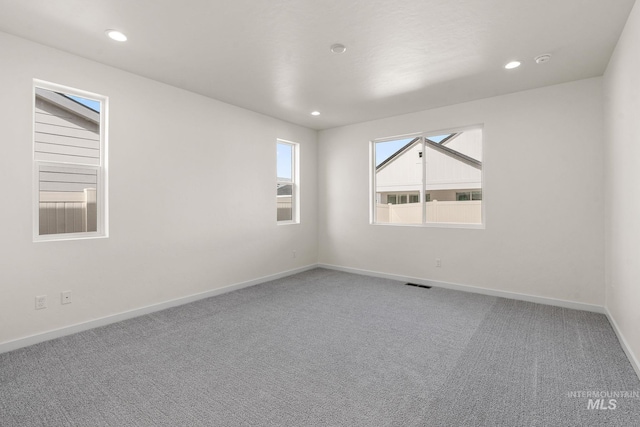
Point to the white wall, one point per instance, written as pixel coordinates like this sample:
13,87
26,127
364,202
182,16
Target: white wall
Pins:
547,241
622,125
192,197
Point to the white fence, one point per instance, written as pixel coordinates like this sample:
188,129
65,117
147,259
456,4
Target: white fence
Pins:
285,211
463,212
72,212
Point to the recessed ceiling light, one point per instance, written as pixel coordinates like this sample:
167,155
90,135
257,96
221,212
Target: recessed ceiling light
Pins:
315,113
116,35
338,48
513,64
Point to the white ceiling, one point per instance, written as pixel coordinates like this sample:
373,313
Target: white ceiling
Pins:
272,56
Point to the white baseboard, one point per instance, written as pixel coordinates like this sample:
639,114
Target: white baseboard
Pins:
623,343
635,363
474,289
68,330
95,323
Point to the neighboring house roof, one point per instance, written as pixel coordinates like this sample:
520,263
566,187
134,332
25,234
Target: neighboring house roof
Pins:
398,153
446,140
440,146
65,130
285,189
69,104
455,154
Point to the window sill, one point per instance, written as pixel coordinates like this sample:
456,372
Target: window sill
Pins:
68,236
288,223
432,225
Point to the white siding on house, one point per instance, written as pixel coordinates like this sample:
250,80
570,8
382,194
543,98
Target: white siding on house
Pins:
468,143
61,179
443,172
62,136
404,173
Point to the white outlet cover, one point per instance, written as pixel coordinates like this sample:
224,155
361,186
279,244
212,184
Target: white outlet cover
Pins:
41,302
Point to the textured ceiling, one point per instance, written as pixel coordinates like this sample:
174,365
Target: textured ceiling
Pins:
272,56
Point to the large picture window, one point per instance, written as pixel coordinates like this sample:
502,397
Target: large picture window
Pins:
69,155
287,186
445,167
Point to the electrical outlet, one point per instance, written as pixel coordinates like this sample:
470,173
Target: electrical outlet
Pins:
41,302
438,262
66,297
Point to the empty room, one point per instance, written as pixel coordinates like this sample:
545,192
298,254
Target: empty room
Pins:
300,213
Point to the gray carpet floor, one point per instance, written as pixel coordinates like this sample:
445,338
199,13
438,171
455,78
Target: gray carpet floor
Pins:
328,348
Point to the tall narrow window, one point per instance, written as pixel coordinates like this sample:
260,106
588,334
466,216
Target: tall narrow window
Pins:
444,167
287,188
69,153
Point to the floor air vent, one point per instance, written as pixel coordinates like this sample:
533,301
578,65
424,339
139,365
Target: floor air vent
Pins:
418,286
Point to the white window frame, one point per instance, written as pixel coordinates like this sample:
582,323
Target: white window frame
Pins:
101,169
295,182
423,136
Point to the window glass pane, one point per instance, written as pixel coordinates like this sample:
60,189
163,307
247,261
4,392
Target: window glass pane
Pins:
447,166
285,162
285,208
67,128
398,169
70,179
68,201
440,138
286,185
454,172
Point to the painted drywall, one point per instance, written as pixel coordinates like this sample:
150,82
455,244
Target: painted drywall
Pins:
192,197
622,166
543,191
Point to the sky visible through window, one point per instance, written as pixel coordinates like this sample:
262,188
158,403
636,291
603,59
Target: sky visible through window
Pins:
94,105
284,161
386,149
